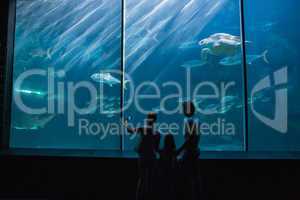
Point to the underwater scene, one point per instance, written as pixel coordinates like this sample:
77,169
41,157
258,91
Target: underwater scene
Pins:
271,26
174,41
83,67
75,39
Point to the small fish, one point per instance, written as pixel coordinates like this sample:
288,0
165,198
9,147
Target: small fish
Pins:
194,63
255,98
41,53
239,106
153,36
109,111
198,100
211,107
228,99
110,115
224,109
264,27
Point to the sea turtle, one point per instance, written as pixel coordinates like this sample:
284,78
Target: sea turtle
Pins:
218,36
220,44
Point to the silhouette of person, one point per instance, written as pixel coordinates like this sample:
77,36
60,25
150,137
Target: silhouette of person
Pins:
147,150
167,164
191,153
168,167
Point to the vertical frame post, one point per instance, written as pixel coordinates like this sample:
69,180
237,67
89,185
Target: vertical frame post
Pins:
245,74
8,76
122,67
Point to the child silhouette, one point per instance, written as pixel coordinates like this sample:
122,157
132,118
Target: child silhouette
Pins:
168,164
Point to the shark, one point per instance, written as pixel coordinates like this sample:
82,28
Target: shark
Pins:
193,64
237,59
107,78
31,122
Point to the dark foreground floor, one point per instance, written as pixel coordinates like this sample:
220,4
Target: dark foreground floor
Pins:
96,178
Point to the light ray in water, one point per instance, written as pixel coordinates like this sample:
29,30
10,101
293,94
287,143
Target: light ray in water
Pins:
31,92
64,27
135,51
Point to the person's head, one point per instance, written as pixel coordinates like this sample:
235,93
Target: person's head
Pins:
188,108
169,142
151,118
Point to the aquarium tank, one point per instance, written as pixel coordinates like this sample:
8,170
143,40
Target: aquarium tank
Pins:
83,70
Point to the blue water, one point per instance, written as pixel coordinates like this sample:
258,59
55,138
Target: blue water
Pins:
81,38
184,22
160,43
280,36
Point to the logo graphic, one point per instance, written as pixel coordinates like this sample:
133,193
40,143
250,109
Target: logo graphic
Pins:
279,123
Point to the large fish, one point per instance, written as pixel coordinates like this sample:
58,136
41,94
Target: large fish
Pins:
193,64
225,105
31,122
106,78
237,59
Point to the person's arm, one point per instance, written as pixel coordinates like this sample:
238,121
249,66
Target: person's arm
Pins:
131,130
139,130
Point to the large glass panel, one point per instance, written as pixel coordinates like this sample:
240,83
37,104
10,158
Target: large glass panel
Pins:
273,68
196,45
60,48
